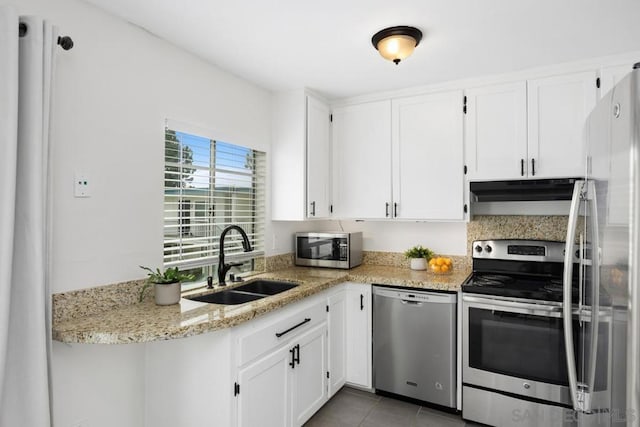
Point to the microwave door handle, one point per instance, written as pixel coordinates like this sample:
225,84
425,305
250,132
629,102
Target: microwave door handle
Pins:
566,288
595,291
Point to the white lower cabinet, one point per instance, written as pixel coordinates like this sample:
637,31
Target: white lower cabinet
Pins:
282,365
358,309
337,325
263,391
308,375
286,387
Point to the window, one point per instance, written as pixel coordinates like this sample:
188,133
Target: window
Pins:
208,185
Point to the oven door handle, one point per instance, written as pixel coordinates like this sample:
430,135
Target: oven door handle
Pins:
567,317
515,306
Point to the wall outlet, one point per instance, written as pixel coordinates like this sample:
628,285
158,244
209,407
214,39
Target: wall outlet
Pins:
81,186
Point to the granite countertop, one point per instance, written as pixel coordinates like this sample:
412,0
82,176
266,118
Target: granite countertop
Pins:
144,322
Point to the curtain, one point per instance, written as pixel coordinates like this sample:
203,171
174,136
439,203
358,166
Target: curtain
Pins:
26,68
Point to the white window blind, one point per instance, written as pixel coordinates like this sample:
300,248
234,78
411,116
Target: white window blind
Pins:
208,185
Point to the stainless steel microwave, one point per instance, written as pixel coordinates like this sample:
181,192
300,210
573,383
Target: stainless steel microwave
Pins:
332,250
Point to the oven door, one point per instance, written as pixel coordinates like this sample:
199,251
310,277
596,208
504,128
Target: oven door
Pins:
518,347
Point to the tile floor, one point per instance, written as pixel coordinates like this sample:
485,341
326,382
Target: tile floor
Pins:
351,407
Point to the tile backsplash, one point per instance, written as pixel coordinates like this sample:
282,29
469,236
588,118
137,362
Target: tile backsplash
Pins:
541,227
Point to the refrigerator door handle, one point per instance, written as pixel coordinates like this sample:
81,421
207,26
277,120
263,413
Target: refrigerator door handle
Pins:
566,284
595,291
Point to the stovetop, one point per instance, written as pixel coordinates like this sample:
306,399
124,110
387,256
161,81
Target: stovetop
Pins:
516,286
526,269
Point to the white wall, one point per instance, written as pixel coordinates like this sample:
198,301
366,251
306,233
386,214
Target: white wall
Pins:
113,91
447,238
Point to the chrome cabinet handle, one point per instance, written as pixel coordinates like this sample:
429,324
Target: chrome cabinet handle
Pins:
361,302
566,290
521,167
386,209
313,208
395,210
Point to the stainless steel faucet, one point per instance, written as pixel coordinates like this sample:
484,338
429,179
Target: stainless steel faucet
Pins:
222,267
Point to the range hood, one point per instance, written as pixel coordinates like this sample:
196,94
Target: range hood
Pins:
523,190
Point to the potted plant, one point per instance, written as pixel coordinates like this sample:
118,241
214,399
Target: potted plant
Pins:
419,256
167,285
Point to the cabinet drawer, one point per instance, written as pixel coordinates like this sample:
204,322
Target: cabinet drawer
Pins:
268,334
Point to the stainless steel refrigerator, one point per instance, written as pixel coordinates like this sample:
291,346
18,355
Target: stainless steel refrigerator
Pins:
602,347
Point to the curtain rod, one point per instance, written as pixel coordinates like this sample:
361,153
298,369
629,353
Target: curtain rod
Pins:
65,42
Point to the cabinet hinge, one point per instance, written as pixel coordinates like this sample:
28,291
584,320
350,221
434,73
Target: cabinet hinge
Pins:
465,169
328,375
236,389
327,308
464,104
598,82
465,208
331,118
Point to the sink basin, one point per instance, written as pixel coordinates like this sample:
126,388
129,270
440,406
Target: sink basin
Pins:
245,293
227,298
266,287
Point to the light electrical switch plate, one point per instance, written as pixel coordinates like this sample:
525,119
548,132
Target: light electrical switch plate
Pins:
82,185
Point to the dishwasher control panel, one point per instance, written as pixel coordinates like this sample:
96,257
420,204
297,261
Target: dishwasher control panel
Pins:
417,296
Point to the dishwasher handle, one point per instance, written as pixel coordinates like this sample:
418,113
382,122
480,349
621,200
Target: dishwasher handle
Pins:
413,303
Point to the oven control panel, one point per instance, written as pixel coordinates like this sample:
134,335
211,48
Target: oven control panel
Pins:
523,250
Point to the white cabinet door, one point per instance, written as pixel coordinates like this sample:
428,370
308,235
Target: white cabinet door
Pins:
362,160
558,107
308,377
318,159
288,156
427,149
496,132
359,334
337,324
264,394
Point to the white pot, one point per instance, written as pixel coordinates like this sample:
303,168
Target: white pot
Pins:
167,294
418,263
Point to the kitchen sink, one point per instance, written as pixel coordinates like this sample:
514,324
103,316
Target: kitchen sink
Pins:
251,291
227,298
266,287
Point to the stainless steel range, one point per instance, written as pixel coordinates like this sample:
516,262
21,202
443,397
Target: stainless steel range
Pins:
515,369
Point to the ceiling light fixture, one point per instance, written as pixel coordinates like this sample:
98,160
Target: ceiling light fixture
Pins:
396,43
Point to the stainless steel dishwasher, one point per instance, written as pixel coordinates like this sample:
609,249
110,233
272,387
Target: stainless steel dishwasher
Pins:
414,344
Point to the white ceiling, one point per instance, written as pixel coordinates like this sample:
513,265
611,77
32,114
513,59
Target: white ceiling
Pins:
325,45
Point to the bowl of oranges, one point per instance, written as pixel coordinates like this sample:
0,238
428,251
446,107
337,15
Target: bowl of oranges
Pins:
440,265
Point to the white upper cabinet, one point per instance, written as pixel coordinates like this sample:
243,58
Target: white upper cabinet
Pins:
496,131
558,107
318,159
362,160
300,157
427,153
529,130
